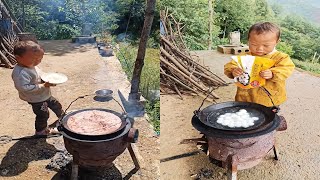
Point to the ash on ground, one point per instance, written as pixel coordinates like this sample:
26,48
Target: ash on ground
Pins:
203,174
60,161
100,173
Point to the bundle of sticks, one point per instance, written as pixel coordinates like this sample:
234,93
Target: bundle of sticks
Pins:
7,42
180,72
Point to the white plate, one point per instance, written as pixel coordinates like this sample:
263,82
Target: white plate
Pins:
54,78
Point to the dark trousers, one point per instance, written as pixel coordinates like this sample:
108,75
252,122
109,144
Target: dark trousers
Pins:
42,112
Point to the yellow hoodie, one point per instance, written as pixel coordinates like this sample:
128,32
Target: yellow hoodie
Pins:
282,69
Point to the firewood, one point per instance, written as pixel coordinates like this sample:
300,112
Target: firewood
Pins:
179,66
177,90
180,71
197,93
5,60
202,69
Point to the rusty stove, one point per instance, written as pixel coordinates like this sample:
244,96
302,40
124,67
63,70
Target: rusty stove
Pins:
93,151
238,148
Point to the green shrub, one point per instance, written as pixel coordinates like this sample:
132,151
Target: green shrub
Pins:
153,110
286,48
65,31
308,66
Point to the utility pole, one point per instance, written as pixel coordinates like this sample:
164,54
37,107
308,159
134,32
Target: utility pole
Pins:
134,94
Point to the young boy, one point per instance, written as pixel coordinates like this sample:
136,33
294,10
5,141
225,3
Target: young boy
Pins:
263,38
26,77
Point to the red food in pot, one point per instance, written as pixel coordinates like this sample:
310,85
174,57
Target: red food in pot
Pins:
94,122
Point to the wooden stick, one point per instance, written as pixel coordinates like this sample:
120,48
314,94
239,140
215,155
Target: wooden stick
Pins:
179,82
182,66
177,63
180,72
185,86
4,47
205,70
177,90
5,60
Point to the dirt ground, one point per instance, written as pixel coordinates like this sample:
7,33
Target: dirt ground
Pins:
87,71
298,146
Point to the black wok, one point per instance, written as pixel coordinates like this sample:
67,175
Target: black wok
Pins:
64,128
210,114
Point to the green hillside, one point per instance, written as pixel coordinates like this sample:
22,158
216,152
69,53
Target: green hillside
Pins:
309,9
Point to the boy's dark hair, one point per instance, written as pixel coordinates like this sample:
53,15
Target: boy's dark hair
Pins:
262,27
22,46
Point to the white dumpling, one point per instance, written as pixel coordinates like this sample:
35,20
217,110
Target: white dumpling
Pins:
234,116
224,123
245,124
228,118
238,124
238,119
249,121
220,120
231,124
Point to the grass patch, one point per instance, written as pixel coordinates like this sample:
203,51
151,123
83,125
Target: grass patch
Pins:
153,110
307,66
149,80
150,76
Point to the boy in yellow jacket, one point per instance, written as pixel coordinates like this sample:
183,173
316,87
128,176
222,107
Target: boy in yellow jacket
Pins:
263,38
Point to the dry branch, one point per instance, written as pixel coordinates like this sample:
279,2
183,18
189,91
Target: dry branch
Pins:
7,42
180,72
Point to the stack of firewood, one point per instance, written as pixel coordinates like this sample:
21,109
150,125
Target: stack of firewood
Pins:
179,70
7,42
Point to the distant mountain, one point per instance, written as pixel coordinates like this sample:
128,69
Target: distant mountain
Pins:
309,9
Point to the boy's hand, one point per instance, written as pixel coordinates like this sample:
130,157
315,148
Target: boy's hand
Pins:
237,72
266,74
47,84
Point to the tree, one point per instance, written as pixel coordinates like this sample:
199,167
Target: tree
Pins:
303,48
263,11
135,82
235,15
277,10
210,23
285,47
193,15
66,17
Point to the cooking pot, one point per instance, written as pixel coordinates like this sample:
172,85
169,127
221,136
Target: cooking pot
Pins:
103,93
210,114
